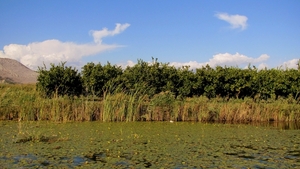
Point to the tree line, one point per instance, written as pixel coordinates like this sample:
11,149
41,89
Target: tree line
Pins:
156,77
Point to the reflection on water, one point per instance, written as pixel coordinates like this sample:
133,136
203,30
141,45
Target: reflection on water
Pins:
280,125
287,126
272,124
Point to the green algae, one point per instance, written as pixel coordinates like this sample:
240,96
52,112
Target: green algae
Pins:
147,145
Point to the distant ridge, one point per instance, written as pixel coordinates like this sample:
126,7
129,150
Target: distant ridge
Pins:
12,71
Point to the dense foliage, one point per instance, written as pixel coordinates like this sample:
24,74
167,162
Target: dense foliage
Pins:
96,77
154,78
59,80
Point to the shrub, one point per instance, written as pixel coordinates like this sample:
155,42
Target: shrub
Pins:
60,80
96,77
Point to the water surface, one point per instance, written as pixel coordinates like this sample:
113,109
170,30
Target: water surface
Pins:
148,145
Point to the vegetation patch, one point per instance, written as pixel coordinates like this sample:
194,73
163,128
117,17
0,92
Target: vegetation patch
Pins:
154,92
24,103
151,145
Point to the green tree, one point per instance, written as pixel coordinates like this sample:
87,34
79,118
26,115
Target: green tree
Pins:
96,77
186,82
59,80
209,82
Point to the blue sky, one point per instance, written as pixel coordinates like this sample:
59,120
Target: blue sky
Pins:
195,32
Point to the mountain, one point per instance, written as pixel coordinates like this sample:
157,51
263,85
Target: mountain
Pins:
12,71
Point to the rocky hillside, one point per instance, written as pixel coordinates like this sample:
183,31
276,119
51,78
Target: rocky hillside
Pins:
12,71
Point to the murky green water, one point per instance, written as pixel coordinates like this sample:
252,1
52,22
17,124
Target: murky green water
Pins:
147,145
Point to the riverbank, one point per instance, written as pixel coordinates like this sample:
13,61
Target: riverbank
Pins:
23,102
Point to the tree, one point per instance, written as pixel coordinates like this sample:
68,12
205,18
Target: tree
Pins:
59,80
96,77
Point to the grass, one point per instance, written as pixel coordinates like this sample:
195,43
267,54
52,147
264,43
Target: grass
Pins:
32,132
23,102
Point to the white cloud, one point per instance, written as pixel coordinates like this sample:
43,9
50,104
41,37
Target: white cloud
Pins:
227,59
98,35
291,64
236,21
235,59
224,59
128,63
262,66
221,59
192,64
55,51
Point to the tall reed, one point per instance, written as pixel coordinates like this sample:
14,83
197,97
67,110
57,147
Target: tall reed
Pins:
23,102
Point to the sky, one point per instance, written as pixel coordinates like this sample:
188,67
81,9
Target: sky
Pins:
193,32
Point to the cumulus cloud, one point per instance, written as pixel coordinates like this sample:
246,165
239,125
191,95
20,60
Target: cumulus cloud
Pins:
227,59
235,59
224,59
128,63
236,21
221,59
192,64
262,66
98,35
291,64
55,51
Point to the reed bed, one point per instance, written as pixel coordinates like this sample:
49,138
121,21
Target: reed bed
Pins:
23,102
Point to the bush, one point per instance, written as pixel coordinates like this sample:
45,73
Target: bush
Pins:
60,80
96,78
